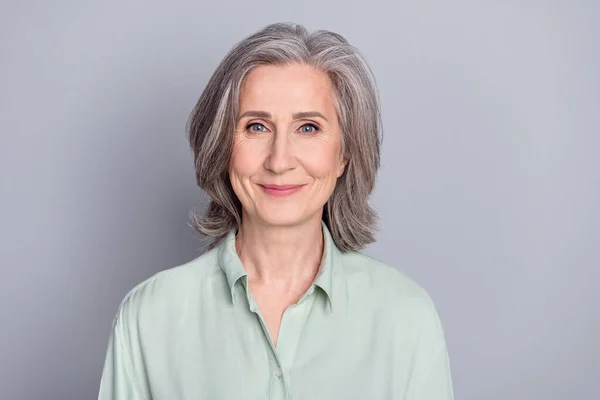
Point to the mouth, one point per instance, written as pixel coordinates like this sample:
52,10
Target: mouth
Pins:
281,190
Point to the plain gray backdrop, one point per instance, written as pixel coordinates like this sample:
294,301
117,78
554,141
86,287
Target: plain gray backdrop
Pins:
489,193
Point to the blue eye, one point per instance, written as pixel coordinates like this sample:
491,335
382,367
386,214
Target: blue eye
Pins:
308,128
256,127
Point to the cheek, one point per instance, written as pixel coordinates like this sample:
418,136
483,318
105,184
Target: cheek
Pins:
244,160
323,162
240,171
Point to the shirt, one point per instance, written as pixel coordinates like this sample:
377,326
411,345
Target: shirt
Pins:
363,330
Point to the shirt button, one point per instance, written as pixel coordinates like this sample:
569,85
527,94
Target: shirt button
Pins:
310,291
278,372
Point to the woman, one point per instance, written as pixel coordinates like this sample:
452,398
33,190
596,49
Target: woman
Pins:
282,306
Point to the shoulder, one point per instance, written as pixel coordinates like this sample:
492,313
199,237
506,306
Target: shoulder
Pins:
372,273
401,313
387,288
168,290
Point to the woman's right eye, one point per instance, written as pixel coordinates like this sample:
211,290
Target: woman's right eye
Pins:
255,127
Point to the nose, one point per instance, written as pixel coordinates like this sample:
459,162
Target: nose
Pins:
280,158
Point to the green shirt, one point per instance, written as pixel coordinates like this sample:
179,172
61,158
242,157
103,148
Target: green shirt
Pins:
362,331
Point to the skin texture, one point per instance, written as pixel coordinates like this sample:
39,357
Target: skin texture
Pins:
280,241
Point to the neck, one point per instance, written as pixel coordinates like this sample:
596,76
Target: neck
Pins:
285,256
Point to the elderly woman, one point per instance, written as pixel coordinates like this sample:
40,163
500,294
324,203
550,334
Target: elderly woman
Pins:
286,140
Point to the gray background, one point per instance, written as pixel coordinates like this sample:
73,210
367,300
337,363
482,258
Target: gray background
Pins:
489,193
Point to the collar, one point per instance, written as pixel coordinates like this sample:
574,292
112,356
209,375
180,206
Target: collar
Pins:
232,266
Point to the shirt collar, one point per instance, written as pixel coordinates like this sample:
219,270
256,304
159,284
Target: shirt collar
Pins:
232,267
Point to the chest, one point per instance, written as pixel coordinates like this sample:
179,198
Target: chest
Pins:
319,355
271,308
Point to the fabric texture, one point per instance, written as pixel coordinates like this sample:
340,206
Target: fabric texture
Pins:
363,330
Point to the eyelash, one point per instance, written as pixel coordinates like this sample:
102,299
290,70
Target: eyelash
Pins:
315,127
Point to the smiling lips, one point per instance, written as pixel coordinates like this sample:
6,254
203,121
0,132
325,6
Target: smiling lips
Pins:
281,190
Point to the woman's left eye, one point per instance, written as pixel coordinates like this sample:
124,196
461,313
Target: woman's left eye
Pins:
308,128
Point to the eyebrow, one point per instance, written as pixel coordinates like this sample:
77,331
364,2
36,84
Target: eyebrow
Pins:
255,114
308,114
298,115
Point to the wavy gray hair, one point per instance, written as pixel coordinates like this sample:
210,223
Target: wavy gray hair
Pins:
347,213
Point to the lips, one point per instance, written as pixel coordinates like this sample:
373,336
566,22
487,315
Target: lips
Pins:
281,190
281,187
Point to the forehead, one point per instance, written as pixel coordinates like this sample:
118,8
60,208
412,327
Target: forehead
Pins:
296,86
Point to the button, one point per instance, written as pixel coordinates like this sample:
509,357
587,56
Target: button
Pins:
278,372
311,290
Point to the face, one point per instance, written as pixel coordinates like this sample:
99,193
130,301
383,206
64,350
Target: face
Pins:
287,145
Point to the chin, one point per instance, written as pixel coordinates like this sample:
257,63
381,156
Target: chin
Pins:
284,217
283,220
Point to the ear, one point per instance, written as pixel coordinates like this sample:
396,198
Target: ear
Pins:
342,166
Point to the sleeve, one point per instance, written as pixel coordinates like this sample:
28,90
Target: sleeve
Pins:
431,378
118,380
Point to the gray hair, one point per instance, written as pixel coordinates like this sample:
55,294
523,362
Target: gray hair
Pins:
347,213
